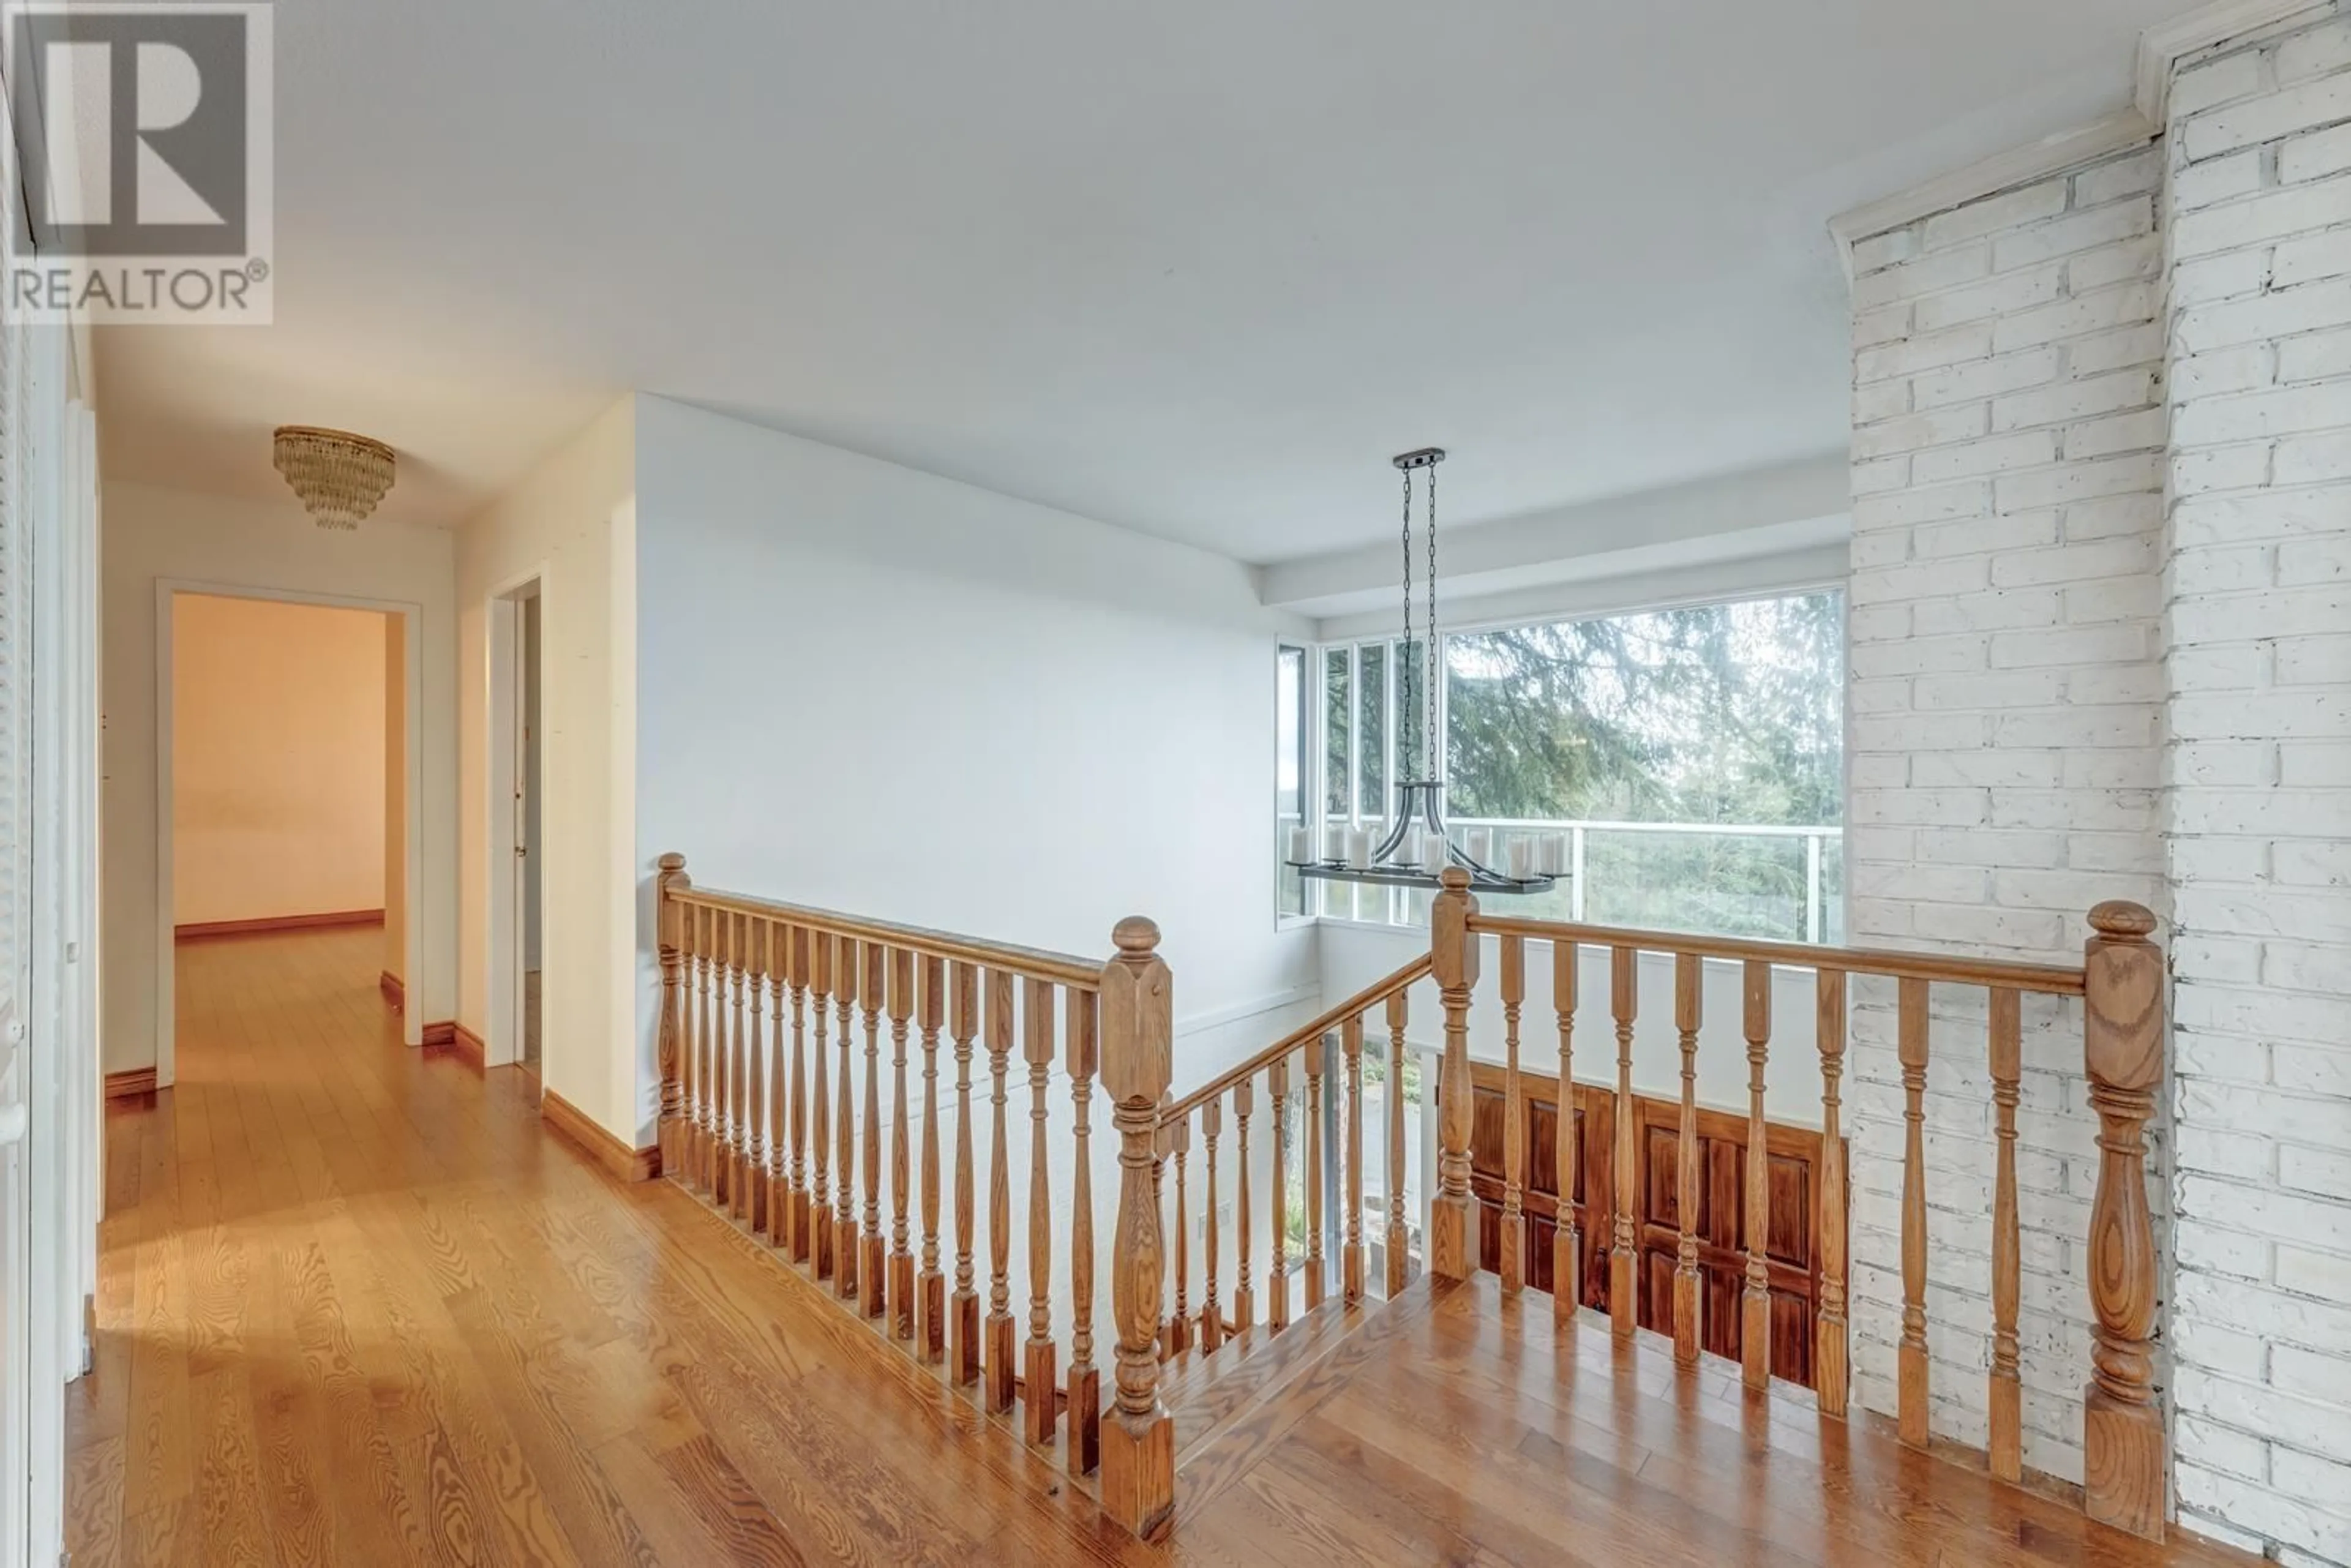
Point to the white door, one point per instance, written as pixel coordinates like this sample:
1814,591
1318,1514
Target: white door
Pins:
17,1062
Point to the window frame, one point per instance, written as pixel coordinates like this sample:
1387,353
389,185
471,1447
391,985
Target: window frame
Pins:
1311,656
1832,912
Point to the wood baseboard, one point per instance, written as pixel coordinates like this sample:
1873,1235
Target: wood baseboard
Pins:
395,994
198,929
456,1039
129,1084
621,1161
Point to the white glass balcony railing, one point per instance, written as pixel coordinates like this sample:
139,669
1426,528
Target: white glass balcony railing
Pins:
1785,882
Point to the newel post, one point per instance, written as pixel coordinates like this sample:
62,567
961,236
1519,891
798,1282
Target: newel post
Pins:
668,916
1453,953
1138,1020
2123,1440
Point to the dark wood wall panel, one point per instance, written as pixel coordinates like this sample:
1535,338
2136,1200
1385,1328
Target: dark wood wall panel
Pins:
1792,1253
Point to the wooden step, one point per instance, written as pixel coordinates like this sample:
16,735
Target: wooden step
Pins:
1208,1391
1231,1411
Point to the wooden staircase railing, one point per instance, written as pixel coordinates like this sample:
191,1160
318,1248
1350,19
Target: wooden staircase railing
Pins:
779,1123
2121,984
744,1117
1237,1086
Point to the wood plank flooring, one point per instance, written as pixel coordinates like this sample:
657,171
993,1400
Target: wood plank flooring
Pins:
357,1306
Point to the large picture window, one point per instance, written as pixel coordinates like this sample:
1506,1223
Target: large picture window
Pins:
1693,756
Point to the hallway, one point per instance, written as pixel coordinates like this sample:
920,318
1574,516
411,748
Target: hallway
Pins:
358,1307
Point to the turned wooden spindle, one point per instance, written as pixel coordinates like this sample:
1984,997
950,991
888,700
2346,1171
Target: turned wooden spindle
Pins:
689,1041
1179,1149
1084,1381
1000,1372
1623,1001
963,1336
1138,1440
726,1081
1244,1292
728,1178
705,1051
1351,1244
1510,1257
822,956
1277,1277
1315,1262
1212,1312
1755,1305
751,1185
668,883
1910,1394
2124,1464
1039,1396
1398,1244
1830,1376
726,1149
1567,1238
1689,1302
2007,1051
689,1038
873,1261
901,1256
802,962
930,1285
775,1198
847,1254
1453,953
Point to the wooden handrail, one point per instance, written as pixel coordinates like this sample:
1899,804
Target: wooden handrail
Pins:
2121,982
1320,1023
2049,980
749,985
744,978
1028,963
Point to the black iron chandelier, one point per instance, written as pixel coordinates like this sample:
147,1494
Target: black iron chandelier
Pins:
1417,846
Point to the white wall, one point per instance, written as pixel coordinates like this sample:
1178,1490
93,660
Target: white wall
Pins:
2006,701
2258,625
278,758
234,543
560,526
2103,459
873,689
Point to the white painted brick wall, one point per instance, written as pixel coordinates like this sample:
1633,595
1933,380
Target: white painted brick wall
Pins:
2258,659
2101,639
2006,730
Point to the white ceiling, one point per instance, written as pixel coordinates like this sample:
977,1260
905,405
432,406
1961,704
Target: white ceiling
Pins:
1196,269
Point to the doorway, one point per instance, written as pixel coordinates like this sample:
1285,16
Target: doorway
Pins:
521,992
286,792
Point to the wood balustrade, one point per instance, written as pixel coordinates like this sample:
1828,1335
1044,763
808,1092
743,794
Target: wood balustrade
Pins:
767,1119
780,1105
1296,1277
2121,983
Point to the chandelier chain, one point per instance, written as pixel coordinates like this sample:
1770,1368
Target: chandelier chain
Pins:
1418,851
1407,589
1428,760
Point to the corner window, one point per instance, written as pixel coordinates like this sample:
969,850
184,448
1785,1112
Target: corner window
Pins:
1693,757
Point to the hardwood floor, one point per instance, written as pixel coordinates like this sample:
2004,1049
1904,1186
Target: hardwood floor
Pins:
358,1307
